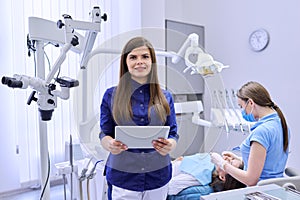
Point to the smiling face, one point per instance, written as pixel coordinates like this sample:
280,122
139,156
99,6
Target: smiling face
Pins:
139,64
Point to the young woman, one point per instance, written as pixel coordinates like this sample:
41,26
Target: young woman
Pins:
138,100
265,151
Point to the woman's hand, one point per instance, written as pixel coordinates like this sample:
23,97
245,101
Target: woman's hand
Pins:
228,155
164,146
218,160
112,145
232,158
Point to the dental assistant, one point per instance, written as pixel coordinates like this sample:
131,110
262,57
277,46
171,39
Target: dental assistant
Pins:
265,151
138,100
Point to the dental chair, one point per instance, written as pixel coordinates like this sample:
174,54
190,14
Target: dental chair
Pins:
291,179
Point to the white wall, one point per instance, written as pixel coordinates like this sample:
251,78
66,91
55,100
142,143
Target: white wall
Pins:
228,25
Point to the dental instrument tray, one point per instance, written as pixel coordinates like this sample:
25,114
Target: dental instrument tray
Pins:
260,196
140,136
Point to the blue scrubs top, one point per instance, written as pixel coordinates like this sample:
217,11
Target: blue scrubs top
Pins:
137,169
267,132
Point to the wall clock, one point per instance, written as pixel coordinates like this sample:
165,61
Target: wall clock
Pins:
259,39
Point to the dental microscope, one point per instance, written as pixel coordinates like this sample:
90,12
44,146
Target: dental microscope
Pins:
45,89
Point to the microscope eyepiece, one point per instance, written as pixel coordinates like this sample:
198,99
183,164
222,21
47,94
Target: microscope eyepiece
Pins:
5,79
11,82
14,84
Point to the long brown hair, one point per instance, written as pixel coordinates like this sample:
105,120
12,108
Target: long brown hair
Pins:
260,95
122,99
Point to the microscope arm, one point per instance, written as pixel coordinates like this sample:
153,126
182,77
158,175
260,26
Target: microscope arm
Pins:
59,61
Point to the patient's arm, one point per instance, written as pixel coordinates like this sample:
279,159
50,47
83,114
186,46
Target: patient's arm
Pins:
180,182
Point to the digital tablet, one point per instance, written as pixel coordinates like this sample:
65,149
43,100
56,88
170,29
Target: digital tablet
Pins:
140,136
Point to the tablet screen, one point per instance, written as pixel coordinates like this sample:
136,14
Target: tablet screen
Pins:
140,136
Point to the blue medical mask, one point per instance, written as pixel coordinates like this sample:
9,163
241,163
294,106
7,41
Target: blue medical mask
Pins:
248,117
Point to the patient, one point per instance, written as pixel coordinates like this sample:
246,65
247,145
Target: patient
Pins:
200,175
